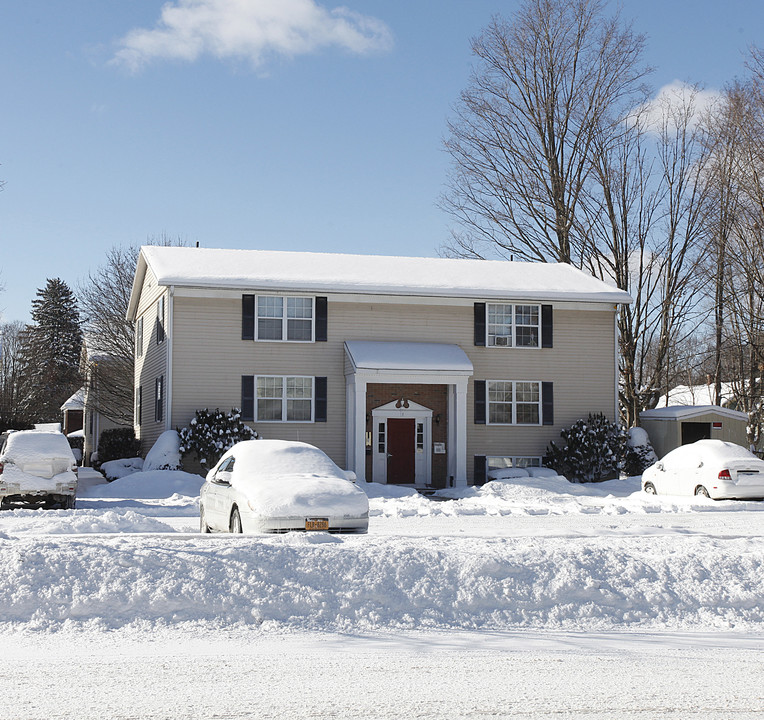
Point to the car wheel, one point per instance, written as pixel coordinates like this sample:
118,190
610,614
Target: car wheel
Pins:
235,524
701,491
650,489
203,527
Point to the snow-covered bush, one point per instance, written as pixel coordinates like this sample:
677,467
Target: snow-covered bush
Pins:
165,453
116,469
594,450
211,433
117,443
639,452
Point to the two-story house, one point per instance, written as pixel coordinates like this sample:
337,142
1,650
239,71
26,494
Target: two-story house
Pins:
415,371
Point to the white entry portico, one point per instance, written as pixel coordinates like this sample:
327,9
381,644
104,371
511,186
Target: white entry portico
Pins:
406,363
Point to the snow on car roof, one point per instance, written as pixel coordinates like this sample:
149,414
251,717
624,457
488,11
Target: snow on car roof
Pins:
26,445
283,457
335,272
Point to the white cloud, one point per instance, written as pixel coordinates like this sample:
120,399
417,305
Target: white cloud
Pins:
674,101
250,30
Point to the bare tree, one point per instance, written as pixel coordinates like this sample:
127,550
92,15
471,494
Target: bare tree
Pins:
109,337
11,411
643,220
547,84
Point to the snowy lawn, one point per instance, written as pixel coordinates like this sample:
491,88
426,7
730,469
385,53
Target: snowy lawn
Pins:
528,598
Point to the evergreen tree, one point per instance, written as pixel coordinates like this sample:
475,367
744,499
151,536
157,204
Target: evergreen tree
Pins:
51,352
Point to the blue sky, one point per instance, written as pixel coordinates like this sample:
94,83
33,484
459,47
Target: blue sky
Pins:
324,133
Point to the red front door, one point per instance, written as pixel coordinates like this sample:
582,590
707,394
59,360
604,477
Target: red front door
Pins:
401,441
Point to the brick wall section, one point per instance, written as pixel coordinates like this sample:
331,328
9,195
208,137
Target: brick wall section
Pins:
434,397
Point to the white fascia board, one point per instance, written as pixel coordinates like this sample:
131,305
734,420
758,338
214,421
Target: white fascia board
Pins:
234,293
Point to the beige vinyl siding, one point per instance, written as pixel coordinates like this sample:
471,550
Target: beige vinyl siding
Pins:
152,363
209,358
581,365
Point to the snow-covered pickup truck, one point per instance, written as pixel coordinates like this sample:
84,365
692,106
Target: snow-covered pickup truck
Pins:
38,470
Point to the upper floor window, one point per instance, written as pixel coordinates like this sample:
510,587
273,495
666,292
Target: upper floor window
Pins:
160,320
513,325
284,318
139,336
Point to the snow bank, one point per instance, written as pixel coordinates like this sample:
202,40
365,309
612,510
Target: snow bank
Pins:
322,582
154,484
75,522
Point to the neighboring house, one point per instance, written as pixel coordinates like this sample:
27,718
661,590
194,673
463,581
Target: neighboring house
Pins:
74,411
99,403
416,371
696,395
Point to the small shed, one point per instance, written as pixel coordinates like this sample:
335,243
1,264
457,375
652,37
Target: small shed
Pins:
670,427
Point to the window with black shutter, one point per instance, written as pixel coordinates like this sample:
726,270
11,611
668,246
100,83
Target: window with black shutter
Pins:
480,468
247,397
247,317
321,400
322,319
480,402
547,403
480,324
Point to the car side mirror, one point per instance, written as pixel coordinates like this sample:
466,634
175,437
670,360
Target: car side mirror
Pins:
222,477
350,475
700,464
660,466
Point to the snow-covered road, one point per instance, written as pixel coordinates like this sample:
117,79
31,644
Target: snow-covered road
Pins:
517,600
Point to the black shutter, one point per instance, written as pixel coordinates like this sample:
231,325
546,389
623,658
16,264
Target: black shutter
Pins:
546,326
479,402
480,324
319,413
547,403
247,317
480,477
321,319
247,397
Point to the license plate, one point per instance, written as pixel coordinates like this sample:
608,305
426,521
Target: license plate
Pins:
317,524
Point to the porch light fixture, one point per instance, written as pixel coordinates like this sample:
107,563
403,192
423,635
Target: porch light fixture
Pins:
437,419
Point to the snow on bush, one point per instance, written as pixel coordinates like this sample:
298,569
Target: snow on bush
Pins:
639,452
165,454
594,450
115,469
211,433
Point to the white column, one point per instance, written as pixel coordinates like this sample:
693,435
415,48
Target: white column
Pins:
349,422
359,429
460,416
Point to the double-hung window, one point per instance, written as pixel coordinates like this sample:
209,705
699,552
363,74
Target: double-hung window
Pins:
513,325
513,402
284,318
139,336
284,398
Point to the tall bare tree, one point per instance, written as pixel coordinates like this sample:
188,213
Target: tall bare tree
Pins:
12,414
547,84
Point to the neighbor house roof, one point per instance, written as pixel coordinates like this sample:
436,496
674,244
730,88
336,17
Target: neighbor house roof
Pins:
76,401
368,274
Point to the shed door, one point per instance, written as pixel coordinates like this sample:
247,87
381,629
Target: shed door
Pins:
693,431
401,443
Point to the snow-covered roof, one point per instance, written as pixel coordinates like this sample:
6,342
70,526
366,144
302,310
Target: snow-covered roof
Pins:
369,274
695,395
407,356
76,401
683,412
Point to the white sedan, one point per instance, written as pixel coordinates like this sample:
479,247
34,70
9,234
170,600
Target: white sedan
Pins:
278,486
711,468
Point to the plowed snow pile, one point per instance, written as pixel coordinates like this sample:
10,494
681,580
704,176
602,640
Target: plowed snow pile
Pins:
539,554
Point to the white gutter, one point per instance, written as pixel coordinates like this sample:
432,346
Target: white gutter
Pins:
616,354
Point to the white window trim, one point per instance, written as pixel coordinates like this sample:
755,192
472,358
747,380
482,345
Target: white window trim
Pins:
284,319
139,337
160,319
514,344
284,399
514,403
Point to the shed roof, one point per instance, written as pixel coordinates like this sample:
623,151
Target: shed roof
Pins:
685,412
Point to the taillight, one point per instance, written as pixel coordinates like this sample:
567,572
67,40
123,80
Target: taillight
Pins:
725,475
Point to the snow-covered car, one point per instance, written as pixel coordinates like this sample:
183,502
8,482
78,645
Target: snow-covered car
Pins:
278,486
712,468
37,469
